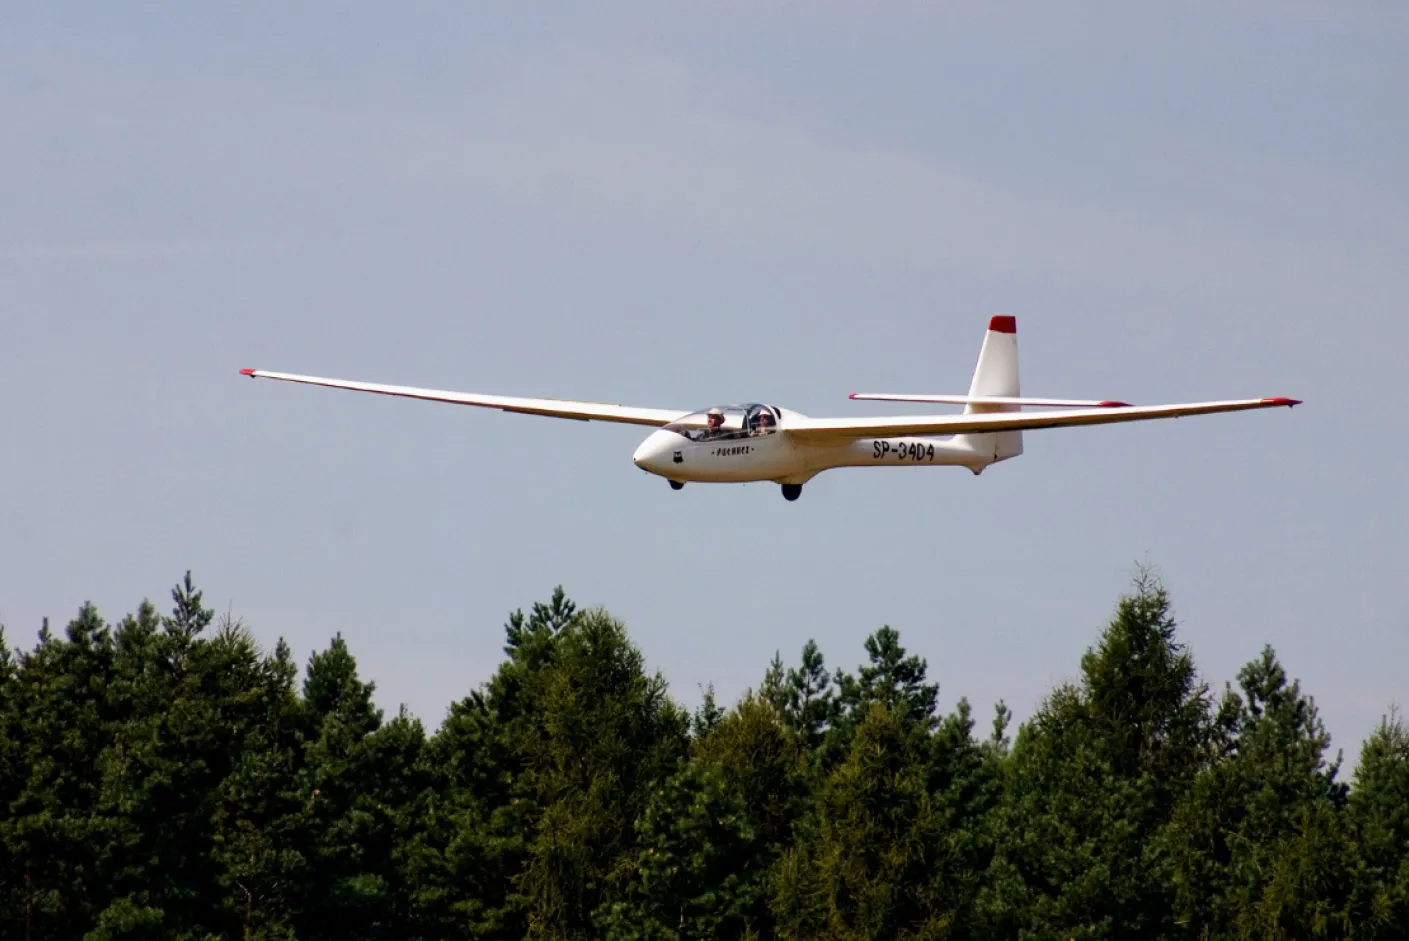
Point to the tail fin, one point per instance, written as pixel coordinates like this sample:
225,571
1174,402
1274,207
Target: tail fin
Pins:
996,374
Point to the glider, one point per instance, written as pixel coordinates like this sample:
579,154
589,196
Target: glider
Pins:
757,442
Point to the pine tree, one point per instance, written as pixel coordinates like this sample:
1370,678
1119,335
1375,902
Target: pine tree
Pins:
188,711
893,678
877,864
260,821
1091,782
359,782
60,714
711,834
1260,846
477,820
810,704
602,731
1379,818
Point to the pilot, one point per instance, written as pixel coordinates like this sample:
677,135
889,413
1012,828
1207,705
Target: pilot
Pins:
714,420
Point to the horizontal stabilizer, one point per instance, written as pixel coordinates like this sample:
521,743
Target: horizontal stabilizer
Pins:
988,400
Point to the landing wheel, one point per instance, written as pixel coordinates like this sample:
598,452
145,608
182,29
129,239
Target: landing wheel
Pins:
792,491
676,484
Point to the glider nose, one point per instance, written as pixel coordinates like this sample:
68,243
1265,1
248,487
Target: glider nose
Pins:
654,454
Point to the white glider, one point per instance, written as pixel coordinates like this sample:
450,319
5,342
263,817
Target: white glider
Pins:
756,442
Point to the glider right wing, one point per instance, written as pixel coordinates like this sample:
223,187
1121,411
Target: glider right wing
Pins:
554,408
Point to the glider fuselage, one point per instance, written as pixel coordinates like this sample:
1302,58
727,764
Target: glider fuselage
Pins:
747,447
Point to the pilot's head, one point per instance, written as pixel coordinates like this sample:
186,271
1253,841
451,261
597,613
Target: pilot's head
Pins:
715,417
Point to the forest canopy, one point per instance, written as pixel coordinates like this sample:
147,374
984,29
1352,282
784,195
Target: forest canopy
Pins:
162,776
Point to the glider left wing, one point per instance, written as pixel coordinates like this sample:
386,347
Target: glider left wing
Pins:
553,408
823,430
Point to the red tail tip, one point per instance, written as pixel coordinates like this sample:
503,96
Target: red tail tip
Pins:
1112,404
247,372
1282,400
1003,323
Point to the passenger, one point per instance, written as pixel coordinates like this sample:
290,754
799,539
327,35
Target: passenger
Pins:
763,423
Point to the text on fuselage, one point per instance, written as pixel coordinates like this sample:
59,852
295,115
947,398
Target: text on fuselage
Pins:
902,451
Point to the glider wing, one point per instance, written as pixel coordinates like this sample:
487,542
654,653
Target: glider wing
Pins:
987,400
554,408
839,429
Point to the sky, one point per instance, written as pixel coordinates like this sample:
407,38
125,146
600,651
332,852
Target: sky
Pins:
680,205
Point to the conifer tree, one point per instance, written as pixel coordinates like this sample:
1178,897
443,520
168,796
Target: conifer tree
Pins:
810,699
601,732
711,834
260,821
1379,818
1260,846
474,844
60,716
1092,780
359,782
891,677
191,702
878,863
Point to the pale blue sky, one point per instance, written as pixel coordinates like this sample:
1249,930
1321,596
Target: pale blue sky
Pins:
676,205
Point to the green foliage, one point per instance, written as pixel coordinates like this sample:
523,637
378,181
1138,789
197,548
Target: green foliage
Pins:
1262,845
712,832
875,865
1379,813
1091,782
164,777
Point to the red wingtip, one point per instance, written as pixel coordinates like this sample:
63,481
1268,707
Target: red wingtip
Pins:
247,372
1282,400
1003,324
1113,404
852,396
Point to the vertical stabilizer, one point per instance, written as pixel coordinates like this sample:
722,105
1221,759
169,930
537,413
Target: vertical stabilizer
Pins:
997,374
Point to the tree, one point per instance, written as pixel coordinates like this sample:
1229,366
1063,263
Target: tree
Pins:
477,821
194,703
804,696
1379,819
59,712
359,781
877,864
261,825
1260,845
711,834
600,732
892,678
1092,780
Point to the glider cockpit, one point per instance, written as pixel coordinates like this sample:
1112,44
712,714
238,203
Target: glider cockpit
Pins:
726,422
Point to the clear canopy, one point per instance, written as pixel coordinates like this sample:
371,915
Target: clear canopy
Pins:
722,422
